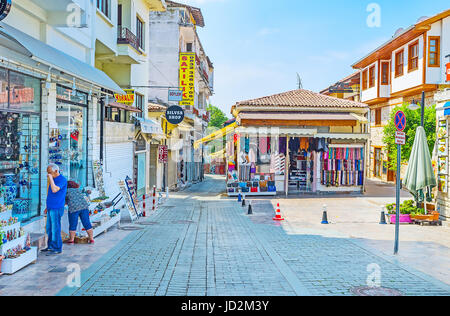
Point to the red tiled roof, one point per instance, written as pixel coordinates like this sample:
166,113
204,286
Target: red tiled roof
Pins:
153,107
301,99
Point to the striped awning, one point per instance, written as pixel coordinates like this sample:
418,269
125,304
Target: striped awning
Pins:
218,134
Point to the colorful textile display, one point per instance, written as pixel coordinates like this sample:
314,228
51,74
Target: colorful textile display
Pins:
342,167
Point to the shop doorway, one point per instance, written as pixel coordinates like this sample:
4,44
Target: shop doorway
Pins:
301,166
378,163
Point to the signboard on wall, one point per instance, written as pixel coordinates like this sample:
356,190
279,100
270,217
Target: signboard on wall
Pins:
187,78
175,95
127,99
163,154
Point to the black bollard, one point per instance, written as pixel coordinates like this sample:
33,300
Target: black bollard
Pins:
383,218
250,209
243,201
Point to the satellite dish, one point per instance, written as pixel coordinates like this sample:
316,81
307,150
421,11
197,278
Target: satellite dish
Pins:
422,19
398,32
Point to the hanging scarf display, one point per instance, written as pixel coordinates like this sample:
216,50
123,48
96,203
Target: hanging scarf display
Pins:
342,167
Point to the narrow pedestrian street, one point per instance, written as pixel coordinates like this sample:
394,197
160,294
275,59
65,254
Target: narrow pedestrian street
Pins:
201,243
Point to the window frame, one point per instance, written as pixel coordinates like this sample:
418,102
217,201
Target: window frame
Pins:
410,58
397,65
104,6
364,79
139,98
372,77
438,51
378,116
140,32
385,75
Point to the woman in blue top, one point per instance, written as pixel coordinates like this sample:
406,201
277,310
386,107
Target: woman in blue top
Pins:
78,208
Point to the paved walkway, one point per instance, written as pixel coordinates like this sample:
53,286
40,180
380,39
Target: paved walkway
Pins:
201,243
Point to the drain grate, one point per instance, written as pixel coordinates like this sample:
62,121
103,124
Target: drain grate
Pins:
148,223
131,228
58,270
375,291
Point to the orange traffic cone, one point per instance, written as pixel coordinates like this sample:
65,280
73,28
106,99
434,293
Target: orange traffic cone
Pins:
278,216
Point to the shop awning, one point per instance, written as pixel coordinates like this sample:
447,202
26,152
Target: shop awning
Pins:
123,107
150,127
343,136
218,134
297,116
282,131
57,59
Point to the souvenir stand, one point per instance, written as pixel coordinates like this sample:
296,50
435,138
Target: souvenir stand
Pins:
101,212
15,243
297,142
257,167
442,137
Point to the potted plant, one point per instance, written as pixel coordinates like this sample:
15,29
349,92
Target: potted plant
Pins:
405,212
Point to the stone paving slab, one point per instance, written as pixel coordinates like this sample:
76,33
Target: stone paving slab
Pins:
208,246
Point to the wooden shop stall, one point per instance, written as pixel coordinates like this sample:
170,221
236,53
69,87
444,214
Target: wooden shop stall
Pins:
297,142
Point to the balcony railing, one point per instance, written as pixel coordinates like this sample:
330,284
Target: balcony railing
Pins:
125,36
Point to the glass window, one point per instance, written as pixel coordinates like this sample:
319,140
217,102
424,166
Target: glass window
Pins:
140,104
68,142
385,73
399,63
3,88
103,6
372,77
140,32
24,92
433,51
20,163
413,63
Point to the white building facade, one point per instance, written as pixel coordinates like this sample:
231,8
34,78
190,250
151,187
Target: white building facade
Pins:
172,33
61,63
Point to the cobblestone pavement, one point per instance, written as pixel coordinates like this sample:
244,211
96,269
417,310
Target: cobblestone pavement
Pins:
201,243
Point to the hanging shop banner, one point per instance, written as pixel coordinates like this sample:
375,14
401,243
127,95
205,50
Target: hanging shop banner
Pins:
5,8
175,95
175,115
187,78
163,154
127,99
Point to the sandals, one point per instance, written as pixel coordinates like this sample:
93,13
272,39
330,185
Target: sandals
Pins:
69,242
91,242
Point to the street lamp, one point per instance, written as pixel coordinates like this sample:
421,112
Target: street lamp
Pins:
415,106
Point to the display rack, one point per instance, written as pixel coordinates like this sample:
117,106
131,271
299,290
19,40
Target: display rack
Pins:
132,191
443,151
12,265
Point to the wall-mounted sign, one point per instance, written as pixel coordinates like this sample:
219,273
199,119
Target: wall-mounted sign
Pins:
127,99
5,8
175,115
163,154
175,95
187,78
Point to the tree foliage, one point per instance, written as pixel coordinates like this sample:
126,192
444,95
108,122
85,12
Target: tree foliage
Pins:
413,121
217,116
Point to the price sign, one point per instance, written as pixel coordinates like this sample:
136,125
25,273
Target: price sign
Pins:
400,138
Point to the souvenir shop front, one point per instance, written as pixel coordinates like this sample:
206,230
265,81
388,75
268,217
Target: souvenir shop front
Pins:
292,164
20,130
297,142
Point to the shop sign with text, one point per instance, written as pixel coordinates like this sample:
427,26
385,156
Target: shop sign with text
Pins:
187,78
163,154
127,99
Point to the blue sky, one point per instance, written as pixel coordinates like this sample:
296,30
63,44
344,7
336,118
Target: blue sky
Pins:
258,46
